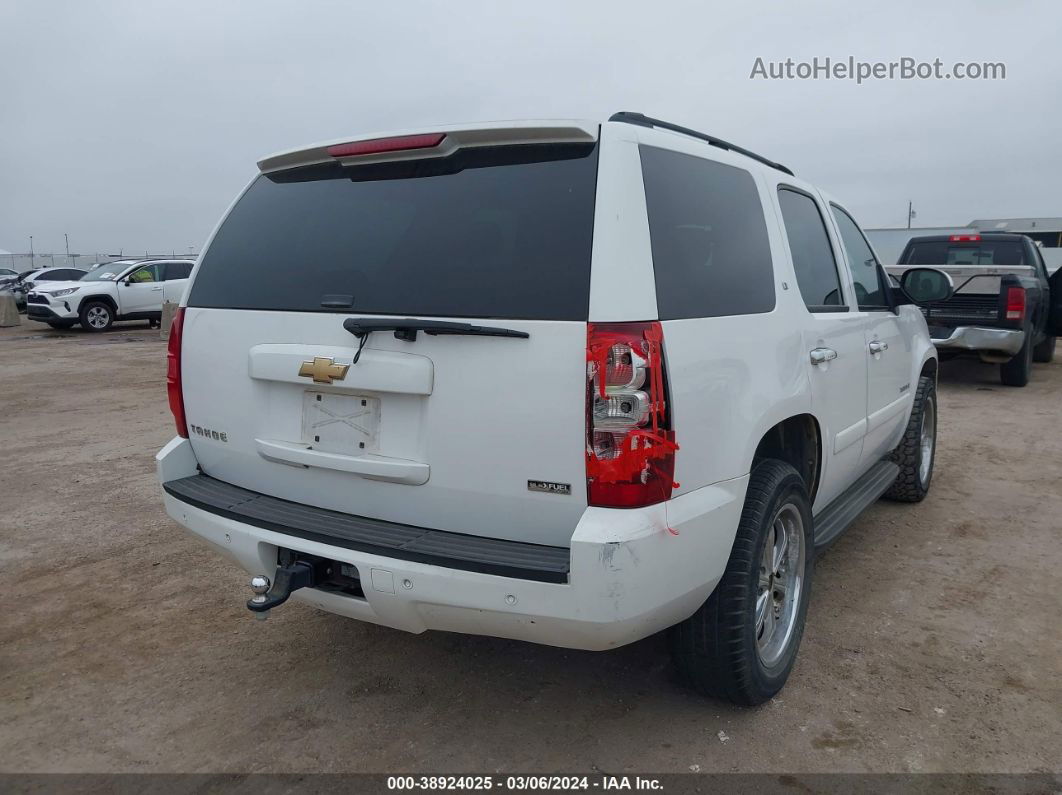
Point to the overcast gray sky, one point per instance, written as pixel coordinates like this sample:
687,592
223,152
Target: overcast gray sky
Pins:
133,123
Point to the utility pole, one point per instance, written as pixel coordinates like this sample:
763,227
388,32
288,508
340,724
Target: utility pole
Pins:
31,252
910,214
67,239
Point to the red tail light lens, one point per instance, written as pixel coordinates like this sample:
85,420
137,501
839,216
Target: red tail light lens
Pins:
376,146
630,447
964,238
1015,303
173,373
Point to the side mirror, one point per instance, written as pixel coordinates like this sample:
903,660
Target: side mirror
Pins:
926,285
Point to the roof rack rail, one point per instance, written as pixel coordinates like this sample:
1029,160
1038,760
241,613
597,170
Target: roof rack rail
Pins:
629,117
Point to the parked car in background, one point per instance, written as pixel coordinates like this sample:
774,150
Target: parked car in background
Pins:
1006,308
26,280
41,275
122,290
567,382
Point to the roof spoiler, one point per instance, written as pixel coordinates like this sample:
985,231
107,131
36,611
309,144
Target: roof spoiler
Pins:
438,141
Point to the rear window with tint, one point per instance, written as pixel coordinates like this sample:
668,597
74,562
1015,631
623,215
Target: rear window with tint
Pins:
497,232
985,252
60,275
178,270
711,254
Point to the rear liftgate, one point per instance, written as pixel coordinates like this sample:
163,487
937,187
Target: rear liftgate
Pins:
297,570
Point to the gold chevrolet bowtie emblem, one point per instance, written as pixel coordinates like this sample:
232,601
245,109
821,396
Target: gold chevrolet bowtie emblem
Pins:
323,370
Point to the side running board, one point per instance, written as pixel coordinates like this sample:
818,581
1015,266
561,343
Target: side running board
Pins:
839,514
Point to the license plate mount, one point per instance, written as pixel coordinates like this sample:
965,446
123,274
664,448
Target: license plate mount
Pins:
342,424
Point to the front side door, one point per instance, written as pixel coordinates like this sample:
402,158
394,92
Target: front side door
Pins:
888,349
834,343
141,291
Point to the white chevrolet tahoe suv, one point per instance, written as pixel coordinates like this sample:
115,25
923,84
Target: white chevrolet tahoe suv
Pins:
567,382
121,290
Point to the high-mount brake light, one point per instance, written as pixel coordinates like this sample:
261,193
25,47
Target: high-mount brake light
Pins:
173,373
630,446
399,143
965,238
1015,303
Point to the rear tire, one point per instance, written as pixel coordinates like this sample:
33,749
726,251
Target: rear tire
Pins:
96,316
1016,371
741,644
917,450
1045,351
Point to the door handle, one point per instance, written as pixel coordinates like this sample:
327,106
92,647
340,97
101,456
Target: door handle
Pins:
878,347
823,355
155,289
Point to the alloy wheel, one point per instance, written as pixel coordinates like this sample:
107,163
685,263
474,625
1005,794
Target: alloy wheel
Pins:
781,580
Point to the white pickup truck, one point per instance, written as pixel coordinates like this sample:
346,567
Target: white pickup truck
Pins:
122,290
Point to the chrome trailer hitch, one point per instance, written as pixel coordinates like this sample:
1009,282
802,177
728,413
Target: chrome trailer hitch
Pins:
298,574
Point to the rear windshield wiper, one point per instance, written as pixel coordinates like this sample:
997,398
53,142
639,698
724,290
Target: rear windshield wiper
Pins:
407,329
362,327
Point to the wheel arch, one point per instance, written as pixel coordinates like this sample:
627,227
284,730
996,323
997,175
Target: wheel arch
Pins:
797,440
103,298
930,368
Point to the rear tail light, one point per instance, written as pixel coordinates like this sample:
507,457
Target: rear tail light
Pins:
630,446
964,238
376,146
1015,303
173,373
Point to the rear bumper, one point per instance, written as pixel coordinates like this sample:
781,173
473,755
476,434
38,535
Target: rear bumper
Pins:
628,577
981,338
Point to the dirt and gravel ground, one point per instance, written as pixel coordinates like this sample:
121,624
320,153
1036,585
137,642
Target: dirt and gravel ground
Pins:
934,640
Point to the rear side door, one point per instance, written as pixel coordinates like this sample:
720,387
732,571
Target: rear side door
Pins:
834,341
141,290
175,276
887,349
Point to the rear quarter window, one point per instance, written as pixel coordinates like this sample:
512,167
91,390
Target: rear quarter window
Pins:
711,254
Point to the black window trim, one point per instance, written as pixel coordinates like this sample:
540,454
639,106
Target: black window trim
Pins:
883,285
814,309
